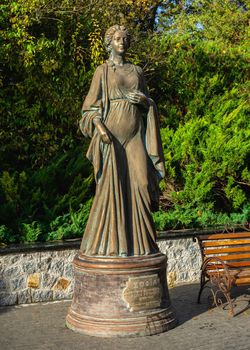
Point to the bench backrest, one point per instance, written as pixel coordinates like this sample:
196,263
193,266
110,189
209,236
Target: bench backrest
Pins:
232,248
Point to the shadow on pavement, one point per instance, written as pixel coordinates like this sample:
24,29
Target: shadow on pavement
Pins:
5,309
184,300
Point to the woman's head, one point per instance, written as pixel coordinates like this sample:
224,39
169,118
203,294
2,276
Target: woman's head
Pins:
117,38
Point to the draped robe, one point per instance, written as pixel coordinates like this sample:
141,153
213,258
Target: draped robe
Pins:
128,170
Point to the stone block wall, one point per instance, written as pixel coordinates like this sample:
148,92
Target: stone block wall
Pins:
184,260
36,276
48,275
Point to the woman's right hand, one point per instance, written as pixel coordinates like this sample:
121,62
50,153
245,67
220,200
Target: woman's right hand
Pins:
106,138
103,132
137,97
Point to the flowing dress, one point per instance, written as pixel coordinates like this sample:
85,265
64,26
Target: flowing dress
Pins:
128,170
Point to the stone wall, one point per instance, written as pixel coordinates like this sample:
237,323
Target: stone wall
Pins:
47,275
184,260
37,276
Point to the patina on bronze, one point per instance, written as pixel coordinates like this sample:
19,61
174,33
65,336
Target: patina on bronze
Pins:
120,276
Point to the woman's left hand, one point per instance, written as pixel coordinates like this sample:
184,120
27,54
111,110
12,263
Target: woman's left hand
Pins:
137,97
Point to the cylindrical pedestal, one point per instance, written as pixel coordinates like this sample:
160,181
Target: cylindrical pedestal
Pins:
121,297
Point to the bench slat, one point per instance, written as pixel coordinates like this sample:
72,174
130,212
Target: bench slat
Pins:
232,256
241,281
236,273
225,236
232,251
235,264
208,251
225,243
240,273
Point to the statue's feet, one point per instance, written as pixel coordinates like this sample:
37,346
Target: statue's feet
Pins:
124,255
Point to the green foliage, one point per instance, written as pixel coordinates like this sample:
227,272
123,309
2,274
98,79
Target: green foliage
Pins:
208,154
195,58
31,232
44,78
205,116
57,189
70,225
186,217
6,236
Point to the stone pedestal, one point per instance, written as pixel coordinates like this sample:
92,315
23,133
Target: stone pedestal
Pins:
120,297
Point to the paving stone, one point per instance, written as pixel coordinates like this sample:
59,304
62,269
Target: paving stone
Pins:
24,297
68,271
13,271
14,259
30,267
57,295
61,284
48,280
57,267
37,295
18,283
8,299
199,328
45,263
4,284
34,280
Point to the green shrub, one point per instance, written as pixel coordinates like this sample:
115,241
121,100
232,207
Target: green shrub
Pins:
70,225
183,217
6,236
195,58
31,232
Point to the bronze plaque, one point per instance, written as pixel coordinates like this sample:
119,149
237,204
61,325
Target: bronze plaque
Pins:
143,292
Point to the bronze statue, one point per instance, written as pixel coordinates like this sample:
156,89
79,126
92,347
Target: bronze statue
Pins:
126,152
120,287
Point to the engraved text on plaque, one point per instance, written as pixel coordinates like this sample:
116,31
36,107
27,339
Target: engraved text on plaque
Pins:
143,292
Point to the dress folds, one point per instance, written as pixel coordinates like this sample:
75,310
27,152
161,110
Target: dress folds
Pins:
128,170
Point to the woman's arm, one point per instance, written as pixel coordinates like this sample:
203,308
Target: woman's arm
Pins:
92,109
102,130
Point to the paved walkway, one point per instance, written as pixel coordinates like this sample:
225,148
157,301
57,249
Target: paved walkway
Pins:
41,327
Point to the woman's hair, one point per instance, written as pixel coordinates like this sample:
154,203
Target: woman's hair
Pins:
110,33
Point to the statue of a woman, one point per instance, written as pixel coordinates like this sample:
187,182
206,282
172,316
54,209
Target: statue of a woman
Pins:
126,153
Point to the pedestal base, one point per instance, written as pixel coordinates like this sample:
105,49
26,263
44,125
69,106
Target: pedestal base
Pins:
121,297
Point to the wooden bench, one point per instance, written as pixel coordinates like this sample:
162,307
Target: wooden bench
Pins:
225,263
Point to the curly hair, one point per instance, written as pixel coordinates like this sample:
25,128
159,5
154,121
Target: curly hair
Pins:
110,33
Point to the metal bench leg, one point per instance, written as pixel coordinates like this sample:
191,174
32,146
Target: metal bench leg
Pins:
219,302
203,282
220,278
230,304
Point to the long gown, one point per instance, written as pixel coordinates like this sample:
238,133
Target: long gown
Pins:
128,170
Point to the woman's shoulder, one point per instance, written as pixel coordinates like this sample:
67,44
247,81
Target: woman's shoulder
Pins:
100,68
128,65
138,69
99,71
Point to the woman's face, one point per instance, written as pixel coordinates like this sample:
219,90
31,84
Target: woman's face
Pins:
119,42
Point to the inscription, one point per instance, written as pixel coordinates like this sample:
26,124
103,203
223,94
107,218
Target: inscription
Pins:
143,292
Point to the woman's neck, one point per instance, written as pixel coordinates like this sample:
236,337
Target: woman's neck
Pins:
117,59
